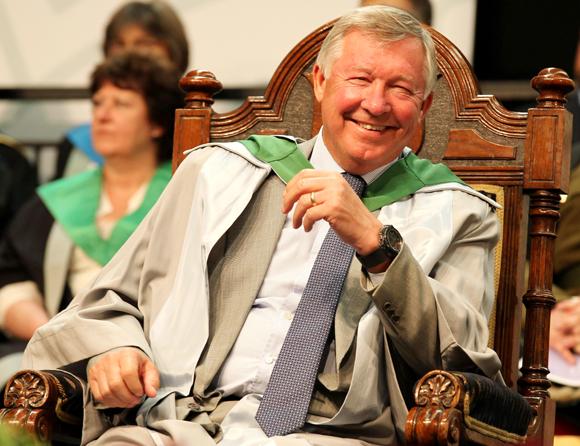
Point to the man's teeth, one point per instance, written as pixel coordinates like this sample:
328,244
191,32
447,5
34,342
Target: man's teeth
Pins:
378,128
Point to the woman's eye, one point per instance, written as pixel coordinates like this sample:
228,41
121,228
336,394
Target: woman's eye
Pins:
122,103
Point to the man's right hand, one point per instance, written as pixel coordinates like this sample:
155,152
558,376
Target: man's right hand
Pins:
122,376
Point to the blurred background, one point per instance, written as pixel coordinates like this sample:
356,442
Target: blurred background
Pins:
48,49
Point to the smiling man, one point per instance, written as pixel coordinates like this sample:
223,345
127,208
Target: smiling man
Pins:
224,319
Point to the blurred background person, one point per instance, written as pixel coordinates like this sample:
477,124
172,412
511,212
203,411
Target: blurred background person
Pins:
60,239
17,179
152,27
573,105
420,9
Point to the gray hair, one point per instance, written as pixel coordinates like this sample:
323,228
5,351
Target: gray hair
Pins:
385,23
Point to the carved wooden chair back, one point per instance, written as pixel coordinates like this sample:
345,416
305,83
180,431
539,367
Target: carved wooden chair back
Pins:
522,159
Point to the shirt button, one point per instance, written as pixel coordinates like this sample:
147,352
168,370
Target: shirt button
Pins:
288,315
269,360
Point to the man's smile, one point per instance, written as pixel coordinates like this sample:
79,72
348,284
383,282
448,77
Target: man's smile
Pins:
372,127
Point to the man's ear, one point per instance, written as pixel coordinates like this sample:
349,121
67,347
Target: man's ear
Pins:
426,105
318,82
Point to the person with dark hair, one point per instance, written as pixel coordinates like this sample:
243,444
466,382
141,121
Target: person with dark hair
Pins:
144,26
286,292
148,26
80,222
420,9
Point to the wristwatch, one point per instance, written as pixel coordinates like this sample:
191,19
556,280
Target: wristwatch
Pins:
390,243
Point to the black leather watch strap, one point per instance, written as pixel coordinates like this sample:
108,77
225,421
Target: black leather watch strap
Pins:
374,258
390,243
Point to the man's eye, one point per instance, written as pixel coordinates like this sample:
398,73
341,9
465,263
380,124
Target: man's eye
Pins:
402,90
360,80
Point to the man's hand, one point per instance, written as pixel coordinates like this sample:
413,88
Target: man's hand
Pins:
121,377
335,202
565,328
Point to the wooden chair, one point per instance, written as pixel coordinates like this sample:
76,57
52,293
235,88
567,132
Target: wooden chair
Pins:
523,159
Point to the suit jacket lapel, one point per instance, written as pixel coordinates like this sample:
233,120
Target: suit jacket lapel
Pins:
237,274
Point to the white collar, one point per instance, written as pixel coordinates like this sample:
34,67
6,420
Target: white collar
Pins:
322,159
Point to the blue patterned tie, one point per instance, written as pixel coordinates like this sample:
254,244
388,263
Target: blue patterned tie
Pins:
285,403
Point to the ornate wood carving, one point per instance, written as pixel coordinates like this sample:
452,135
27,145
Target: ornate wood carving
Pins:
269,107
469,104
437,418
192,123
29,403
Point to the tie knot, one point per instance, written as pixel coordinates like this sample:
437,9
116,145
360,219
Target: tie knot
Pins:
356,182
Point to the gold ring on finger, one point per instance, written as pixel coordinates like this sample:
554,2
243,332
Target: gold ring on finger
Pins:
312,199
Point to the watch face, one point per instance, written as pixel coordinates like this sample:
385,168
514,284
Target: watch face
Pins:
394,239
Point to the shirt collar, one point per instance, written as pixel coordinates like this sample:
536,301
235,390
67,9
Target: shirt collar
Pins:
322,159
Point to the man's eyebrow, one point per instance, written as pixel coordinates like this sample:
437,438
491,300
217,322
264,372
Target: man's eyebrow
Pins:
359,68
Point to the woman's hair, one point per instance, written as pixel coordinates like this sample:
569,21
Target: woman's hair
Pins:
156,80
158,19
386,24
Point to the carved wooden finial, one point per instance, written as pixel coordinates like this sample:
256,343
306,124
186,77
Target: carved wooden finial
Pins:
553,84
200,88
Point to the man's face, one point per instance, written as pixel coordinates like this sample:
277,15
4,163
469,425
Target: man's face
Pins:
372,100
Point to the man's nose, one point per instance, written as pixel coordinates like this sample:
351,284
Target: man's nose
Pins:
376,100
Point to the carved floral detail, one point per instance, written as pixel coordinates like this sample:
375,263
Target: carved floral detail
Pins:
438,390
26,390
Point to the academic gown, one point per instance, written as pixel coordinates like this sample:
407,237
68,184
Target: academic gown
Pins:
180,289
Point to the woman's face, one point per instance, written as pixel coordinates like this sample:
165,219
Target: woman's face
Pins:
121,125
135,38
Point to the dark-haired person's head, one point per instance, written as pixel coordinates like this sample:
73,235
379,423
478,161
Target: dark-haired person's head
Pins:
134,100
152,27
420,9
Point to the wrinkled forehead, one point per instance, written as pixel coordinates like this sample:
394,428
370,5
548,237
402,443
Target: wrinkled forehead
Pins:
375,41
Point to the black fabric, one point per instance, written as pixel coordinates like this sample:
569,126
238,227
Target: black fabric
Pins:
64,149
9,346
22,252
17,183
573,106
497,405
23,247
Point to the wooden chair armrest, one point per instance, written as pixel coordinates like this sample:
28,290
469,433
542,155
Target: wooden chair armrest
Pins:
457,408
47,404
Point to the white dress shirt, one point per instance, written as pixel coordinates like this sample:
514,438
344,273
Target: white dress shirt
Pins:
249,365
